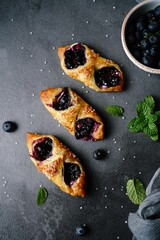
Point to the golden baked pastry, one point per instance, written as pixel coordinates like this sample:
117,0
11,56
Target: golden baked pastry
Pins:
78,117
57,162
83,64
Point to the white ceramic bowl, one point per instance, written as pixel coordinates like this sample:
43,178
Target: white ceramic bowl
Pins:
140,8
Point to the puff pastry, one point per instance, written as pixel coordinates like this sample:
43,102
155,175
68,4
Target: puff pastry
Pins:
57,162
83,64
78,117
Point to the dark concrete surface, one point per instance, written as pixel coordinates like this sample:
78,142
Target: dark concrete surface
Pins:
30,32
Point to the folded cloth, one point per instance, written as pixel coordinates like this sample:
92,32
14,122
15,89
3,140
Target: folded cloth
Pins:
145,223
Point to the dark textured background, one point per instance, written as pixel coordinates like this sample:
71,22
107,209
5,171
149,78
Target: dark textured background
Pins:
29,30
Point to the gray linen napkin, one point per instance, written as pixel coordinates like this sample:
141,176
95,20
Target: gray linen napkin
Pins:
145,223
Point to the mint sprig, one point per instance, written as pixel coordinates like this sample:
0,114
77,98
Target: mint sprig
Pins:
135,191
42,196
146,118
115,110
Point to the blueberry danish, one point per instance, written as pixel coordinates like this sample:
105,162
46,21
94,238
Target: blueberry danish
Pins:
78,117
57,162
83,64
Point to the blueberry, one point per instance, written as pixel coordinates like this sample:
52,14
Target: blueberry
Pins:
131,38
157,11
9,126
138,35
144,43
148,61
154,51
154,26
146,33
81,230
137,53
153,39
98,154
146,52
150,14
140,25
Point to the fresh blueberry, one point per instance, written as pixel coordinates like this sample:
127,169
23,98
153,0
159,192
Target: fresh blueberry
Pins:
154,51
150,14
81,230
157,11
141,25
148,61
146,52
153,39
137,53
138,35
9,126
146,33
154,26
144,43
131,38
98,154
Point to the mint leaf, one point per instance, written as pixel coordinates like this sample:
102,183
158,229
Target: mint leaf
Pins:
136,124
135,191
157,113
145,107
152,118
42,196
149,101
154,138
151,129
115,110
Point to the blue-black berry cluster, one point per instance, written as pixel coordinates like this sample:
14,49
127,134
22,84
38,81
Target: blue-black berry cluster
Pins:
143,38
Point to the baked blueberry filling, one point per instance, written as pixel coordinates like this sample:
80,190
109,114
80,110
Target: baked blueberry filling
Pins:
71,173
62,100
107,77
75,56
84,128
42,148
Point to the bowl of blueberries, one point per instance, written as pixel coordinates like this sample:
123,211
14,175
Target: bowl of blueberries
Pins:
140,35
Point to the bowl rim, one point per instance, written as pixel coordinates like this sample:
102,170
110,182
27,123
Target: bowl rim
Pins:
124,44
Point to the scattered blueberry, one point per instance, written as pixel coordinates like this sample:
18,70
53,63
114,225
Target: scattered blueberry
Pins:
98,154
81,230
9,126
